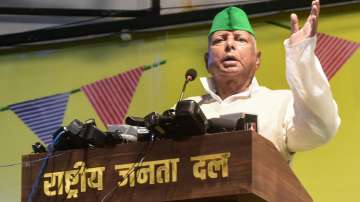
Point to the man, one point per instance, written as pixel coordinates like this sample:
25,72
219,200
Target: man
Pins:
294,120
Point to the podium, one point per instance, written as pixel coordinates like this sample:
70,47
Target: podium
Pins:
234,166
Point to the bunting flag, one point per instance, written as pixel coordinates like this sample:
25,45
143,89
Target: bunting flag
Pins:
333,52
43,115
112,96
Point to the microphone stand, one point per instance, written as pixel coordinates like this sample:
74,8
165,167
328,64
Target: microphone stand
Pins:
183,90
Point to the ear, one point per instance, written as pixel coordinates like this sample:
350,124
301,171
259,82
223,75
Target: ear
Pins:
206,57
258,59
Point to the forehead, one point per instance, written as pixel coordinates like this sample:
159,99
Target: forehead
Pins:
230,32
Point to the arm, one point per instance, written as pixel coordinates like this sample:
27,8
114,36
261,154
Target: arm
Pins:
312,116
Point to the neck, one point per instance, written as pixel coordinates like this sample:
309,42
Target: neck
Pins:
230,87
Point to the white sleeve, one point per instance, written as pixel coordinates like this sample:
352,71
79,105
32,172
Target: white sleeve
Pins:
312,116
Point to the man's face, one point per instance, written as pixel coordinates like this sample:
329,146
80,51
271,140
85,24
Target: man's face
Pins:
232,55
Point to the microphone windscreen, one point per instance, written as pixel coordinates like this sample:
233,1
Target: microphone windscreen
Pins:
129,137
190,74
217,125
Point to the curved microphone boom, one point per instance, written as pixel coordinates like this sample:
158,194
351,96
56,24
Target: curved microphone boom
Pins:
190,75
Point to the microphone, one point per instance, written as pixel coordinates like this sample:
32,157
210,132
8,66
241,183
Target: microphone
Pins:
190,75
127,133
218,125
245,122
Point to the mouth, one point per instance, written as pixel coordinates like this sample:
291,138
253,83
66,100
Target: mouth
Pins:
229,61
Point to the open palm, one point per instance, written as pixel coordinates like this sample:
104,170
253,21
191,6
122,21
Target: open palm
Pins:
310,27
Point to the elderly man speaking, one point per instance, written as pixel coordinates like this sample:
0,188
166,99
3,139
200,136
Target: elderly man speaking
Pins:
298,119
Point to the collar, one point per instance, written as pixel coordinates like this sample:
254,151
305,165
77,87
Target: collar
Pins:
209,87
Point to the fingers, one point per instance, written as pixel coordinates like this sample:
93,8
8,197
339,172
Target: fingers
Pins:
315,8
294,21
314,16
314,25
310,26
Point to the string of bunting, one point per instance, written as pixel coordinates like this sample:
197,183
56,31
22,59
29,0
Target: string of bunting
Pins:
145,67
110,98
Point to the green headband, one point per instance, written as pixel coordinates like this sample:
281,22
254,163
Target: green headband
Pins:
231,18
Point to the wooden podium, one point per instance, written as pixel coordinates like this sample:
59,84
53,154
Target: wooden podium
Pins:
236,166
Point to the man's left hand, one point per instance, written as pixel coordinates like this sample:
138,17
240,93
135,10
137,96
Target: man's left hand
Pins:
310,27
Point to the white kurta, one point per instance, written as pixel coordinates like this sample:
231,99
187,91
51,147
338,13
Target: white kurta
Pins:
294,120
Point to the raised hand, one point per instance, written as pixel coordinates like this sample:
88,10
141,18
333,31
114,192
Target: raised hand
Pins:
310,27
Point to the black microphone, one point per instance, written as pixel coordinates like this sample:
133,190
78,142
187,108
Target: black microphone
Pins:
246,122
190,75
218,125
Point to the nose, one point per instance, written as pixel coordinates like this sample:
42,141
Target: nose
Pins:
230,45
